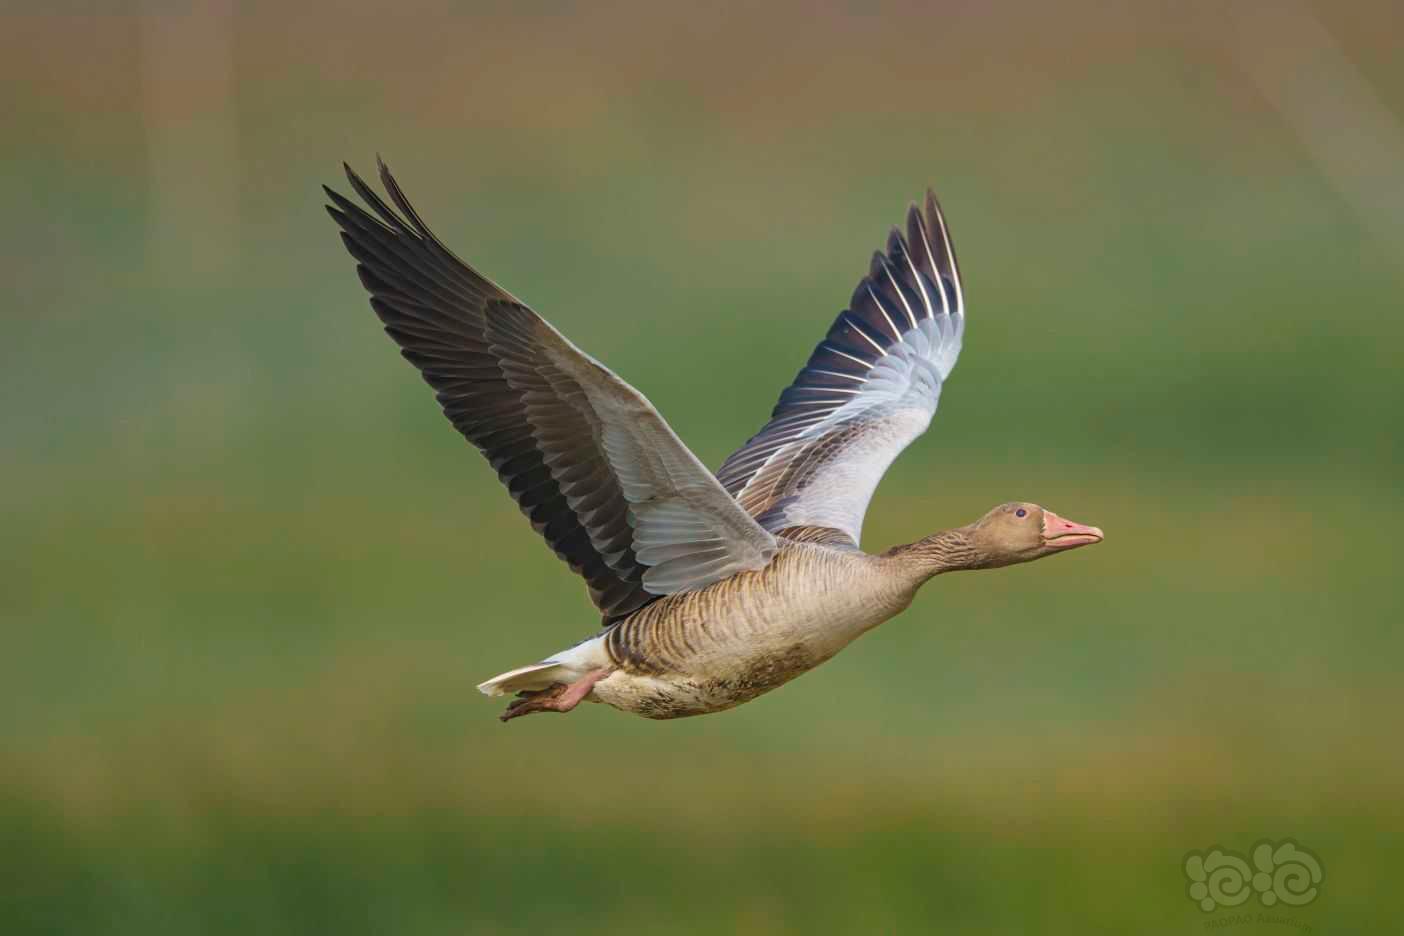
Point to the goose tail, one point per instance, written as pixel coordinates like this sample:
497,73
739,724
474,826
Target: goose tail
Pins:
570,664
541,675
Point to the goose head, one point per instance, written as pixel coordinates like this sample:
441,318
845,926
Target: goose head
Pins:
1021,532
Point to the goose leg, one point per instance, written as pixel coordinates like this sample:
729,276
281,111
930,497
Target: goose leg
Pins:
558,698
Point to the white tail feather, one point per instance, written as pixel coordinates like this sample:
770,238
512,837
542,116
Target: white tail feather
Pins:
536,676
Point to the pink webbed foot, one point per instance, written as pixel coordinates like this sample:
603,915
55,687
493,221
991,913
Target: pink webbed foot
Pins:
560,697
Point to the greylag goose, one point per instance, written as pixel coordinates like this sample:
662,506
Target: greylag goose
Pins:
713,588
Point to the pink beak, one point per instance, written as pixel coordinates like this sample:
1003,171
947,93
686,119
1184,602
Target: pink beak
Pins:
1064,534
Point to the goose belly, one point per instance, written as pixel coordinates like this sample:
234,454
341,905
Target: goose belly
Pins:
713,649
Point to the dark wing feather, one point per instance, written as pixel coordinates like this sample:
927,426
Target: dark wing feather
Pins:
589,461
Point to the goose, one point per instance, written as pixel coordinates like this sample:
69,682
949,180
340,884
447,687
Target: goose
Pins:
712,588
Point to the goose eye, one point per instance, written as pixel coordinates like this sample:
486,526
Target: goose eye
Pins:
1021,512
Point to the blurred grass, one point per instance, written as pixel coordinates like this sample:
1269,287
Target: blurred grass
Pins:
250,578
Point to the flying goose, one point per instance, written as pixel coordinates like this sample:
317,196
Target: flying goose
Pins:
713,588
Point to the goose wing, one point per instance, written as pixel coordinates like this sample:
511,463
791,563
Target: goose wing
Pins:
868,390
587,458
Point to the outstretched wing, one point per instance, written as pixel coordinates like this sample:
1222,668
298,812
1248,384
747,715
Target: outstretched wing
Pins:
869,389
599,473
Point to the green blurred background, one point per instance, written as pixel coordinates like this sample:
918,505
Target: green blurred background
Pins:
249,577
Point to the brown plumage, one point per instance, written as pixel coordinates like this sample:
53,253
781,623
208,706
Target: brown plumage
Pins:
713,589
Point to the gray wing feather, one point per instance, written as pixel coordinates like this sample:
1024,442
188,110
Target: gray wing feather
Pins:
687,529
869,389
